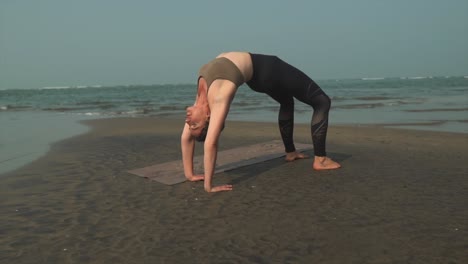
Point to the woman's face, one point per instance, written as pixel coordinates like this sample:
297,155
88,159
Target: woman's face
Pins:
196,119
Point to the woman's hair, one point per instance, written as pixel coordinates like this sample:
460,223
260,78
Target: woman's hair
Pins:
202,136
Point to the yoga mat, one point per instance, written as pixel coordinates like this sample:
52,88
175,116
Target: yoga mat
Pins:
173,172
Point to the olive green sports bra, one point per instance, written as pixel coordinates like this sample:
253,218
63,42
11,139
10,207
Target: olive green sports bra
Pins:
221,68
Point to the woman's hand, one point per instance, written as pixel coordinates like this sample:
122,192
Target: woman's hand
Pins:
194,178
291,156
221,188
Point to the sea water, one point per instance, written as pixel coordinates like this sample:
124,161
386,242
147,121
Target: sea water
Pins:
31,119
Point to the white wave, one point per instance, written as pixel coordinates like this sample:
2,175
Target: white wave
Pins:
90,114
70,87
55,87
417,78
134,112
123,113
4,107
372,78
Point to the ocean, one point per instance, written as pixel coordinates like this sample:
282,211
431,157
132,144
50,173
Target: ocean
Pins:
31,119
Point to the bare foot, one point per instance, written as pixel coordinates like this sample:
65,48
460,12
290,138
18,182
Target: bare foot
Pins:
325,163
291,156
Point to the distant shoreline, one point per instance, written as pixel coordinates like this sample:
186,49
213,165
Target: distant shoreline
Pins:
370,79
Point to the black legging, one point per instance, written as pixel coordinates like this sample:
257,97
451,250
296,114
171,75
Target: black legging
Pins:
282,82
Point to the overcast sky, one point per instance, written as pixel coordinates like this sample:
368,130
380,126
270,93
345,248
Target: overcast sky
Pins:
111,42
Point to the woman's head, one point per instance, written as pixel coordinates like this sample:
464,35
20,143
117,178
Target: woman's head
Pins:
197,119
202,136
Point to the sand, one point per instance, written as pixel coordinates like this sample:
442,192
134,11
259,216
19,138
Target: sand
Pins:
401,197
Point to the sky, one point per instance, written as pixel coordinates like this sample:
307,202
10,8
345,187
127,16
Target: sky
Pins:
116,42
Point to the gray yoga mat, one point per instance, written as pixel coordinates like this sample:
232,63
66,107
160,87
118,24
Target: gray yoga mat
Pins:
173,172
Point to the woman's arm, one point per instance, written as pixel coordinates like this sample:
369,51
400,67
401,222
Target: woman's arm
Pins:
218,116
188,146
223,93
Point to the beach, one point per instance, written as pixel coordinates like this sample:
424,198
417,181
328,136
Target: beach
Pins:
400,197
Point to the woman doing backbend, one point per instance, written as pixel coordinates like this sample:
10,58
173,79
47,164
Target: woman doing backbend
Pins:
217,84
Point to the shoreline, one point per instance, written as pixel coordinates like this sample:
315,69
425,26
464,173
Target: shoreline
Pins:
21,159
27,136
399,197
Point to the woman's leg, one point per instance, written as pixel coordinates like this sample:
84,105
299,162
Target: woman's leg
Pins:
302,87
285,119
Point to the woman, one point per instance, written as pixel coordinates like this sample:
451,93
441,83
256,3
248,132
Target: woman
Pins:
217,84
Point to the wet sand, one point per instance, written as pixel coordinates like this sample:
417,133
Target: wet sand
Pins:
401,197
